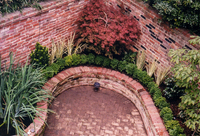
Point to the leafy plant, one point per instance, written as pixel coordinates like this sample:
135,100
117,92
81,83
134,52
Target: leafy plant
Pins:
84,59
130,57
187,74
106,62
131,69
114,63
143,77
161,102
151,68
20,91
61,63
40,56
122,65
140,60
153,87
99,60
107,30
180,13
161,74
68,61
91,58
9,6
48,72
174,128
76,59
172,91
166,114
157,94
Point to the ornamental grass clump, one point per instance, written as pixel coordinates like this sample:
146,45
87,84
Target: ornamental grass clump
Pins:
20,91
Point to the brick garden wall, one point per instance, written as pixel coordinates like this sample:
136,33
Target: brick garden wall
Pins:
19,32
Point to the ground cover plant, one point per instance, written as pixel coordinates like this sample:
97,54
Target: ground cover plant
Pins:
106,30
20,91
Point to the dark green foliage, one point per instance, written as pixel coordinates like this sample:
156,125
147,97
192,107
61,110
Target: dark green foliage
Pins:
180,13
20,91
55,68
131,69
143,77
122,65
114,63
61,63
84,59
152,87
172,91
91,58
166,114
48,72
99,60
8,6
51,70
68,61
76,59
130,57
174,128
106,62
157,94
161,102
40,56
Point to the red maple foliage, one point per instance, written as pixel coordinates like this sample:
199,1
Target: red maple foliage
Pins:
106,29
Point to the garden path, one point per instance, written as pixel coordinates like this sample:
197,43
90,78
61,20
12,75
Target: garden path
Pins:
82,112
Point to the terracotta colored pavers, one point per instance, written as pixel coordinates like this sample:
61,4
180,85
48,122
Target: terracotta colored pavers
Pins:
81,111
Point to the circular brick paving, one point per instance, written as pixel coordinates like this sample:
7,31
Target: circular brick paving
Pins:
81,111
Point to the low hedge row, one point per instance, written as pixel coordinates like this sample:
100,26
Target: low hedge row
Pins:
172,126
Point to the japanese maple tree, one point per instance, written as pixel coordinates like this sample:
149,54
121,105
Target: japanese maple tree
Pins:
106,29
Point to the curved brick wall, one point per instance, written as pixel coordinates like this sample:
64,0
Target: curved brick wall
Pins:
110,79
20,32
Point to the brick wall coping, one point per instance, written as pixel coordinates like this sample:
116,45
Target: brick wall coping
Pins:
111,79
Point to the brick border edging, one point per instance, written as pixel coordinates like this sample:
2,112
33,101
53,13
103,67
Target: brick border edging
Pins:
97,73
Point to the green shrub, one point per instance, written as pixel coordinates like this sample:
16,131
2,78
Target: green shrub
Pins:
68,61
172,91
106,62
161,102
55,67
122,65
84,59
143,77
114,63
166,114
20,91
157,94
61,63
91,58
48,72
131,68
99,60
76,59
180,13
40,55
174,128
130,57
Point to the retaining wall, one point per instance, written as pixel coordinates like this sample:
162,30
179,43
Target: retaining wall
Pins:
113,80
